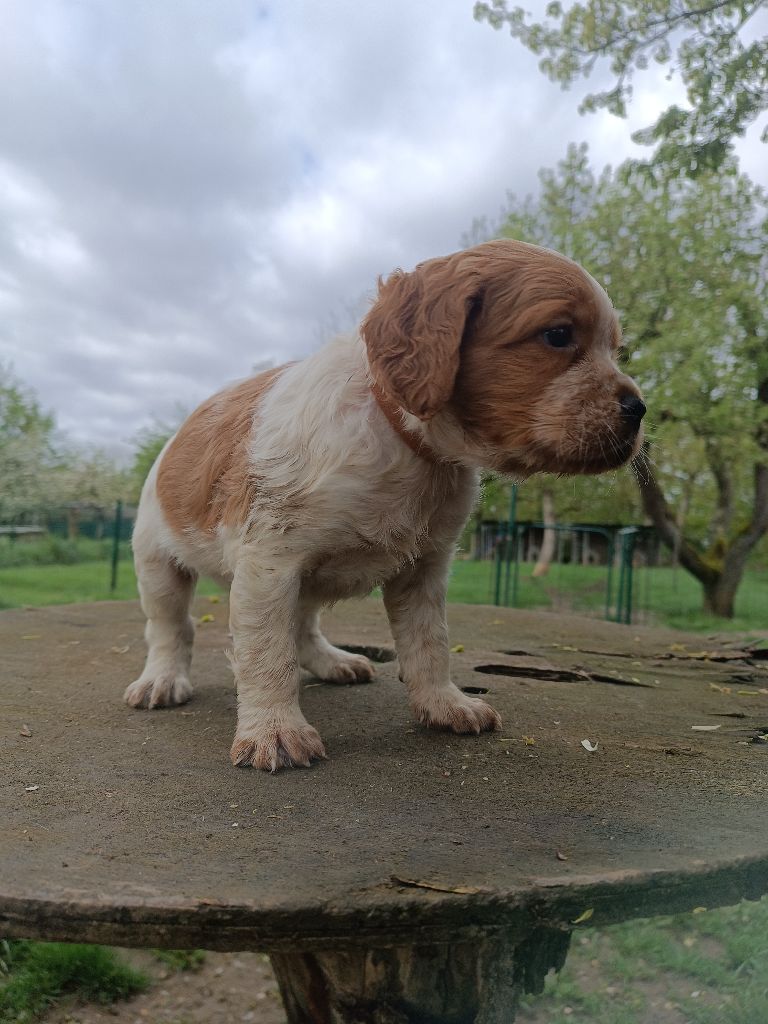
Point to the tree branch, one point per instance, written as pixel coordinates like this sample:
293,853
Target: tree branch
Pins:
658,511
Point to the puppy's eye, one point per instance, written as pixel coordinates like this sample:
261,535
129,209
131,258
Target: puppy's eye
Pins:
558,337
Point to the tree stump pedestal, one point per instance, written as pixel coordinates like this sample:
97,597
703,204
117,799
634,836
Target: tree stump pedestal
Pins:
414,876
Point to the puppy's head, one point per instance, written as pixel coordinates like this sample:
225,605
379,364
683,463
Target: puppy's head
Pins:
518,344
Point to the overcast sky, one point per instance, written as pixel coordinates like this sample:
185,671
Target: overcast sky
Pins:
188,189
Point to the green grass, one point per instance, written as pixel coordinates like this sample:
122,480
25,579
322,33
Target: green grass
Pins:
39,974
38,585
661,596
623,974
181,959
52,550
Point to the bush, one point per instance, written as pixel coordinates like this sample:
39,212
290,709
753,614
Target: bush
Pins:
52,550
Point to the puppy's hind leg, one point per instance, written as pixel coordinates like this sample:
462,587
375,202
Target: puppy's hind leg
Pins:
321,658
166,591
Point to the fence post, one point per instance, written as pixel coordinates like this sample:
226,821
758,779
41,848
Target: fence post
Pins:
611,538
512,539
116,545
624,598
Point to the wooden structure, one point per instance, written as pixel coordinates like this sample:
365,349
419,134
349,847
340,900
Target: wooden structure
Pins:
414,876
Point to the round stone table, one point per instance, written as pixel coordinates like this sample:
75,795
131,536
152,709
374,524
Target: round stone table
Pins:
415,876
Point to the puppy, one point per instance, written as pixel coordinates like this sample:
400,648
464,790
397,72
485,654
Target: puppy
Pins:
358,467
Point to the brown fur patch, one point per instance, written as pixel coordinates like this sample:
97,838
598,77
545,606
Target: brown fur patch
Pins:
546,408
204,477
413,332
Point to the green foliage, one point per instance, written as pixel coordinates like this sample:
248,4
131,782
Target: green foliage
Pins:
20,412
51,550
181,959
708,968
611,498
724,71
26,446
38,470
41,973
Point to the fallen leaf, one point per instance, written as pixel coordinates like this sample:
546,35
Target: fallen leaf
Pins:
704,728
32,636
588,745
214,599
748,693
206,618
25,731
457,649
31,789
466,890
560,856
120,650
583,917
530,741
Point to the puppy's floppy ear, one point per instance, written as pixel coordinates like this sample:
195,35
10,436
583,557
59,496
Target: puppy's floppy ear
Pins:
414,330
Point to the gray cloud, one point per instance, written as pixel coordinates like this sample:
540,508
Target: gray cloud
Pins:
189,189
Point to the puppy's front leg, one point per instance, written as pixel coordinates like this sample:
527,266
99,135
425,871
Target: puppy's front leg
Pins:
415,603
271,732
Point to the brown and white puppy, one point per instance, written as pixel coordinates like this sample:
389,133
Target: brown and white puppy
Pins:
358,467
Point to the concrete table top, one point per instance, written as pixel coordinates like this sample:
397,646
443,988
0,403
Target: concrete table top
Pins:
132,827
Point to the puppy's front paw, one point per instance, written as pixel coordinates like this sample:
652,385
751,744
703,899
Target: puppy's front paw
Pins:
337,666
277,743
159,691
449,708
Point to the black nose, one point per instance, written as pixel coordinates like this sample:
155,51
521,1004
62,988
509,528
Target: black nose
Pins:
632,408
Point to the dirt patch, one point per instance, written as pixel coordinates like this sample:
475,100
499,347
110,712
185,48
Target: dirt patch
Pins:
228,988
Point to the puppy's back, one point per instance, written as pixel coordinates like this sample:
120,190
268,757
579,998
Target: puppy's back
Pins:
203,479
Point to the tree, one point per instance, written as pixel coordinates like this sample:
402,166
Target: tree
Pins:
26,447
84,481
41,471
724,72
685,264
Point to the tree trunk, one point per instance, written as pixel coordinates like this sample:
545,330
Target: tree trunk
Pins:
550,535
73,523
718,464
464,983
720,581
719,598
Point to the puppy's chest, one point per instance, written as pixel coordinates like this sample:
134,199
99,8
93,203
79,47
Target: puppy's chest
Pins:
370,551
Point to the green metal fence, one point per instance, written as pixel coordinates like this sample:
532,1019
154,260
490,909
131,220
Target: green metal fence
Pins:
619,545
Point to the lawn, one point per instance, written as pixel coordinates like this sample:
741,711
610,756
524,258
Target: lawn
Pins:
707,967
661,596
39,585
